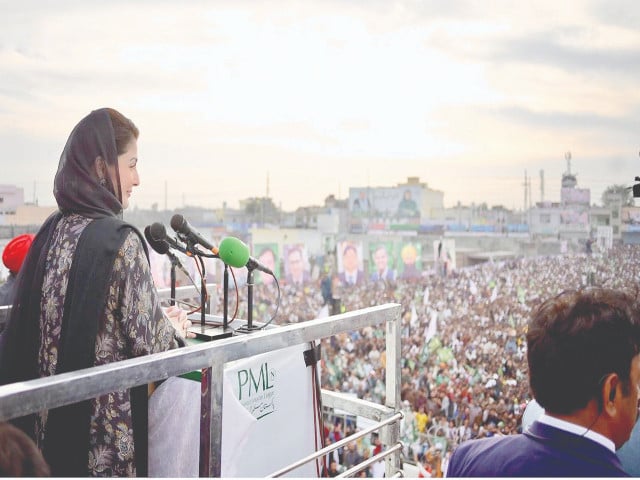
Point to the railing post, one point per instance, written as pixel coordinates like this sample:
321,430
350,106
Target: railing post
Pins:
211,419
391,433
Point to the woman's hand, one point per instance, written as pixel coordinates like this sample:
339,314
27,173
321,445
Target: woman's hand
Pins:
178,318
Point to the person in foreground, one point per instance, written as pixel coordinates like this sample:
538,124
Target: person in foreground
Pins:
584,370
19,456
85,297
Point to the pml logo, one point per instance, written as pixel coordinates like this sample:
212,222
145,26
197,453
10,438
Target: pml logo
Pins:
256,390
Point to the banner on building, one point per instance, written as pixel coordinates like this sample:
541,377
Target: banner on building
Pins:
409,264
350,263
297,270
382,261
386,203
268,255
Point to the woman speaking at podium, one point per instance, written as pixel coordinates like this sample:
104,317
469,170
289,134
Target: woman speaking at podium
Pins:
86,297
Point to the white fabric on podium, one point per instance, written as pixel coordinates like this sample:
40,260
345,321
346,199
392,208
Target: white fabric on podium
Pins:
174,429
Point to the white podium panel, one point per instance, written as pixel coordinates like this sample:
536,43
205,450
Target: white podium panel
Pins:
276,389
267,419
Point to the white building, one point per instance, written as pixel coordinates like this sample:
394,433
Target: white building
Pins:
11,197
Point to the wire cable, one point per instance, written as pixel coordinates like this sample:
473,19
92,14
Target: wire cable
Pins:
277,306
200,267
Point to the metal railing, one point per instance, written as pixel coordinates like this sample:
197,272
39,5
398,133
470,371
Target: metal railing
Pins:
23,398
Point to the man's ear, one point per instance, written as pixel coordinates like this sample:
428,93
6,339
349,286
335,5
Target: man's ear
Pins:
609,392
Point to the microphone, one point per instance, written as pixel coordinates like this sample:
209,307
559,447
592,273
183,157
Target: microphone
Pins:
162,247
159,234
234,252
180,225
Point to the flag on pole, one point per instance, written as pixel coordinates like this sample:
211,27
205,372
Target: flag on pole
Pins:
432,329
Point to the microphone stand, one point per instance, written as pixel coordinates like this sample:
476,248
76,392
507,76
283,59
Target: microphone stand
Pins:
225,301
203,292
205,333
197,256
174,264
249,326
249,299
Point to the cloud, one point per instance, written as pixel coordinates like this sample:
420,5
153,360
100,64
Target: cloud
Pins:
361,90
621,13
546,49
551,120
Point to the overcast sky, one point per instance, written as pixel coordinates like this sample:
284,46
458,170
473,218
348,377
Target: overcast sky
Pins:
326,95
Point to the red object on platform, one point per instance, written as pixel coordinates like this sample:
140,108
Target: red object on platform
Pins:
15,251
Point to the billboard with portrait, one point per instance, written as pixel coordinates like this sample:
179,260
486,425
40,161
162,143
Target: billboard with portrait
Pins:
350,263
574,216
268,255
296,264
444,254
382,261
575,196
630,215
409,260
386,202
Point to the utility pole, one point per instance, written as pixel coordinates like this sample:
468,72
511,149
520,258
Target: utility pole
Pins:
530,203
267,184
524,211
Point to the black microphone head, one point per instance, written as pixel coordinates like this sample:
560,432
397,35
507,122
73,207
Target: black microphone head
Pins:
157,231
178,223
159,246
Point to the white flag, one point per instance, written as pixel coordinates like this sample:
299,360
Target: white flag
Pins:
414,315
323,312
425,296
432,329
494,293
473,288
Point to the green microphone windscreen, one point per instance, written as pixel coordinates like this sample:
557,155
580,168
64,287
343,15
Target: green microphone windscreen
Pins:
234,252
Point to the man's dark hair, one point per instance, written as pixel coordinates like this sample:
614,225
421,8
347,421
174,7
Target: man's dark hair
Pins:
577,338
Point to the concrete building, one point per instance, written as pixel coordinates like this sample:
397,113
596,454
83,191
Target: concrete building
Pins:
11,197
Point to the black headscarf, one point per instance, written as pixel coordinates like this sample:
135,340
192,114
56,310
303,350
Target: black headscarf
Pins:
77,189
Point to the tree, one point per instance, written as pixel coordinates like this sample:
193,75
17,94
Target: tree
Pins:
617,193
261,210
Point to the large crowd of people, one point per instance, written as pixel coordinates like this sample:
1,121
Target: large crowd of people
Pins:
463,349
464,372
